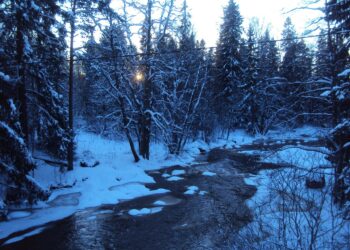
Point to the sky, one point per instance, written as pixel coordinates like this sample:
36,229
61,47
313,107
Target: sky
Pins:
207,15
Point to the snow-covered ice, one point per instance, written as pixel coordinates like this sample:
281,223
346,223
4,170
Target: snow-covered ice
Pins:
92,187
92,217
19,238
167,200
144,211
208,173
159,203
175,178
178,172
299,157
18,214
191,190
117,177
104,212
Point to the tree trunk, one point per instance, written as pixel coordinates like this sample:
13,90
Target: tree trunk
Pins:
121,102
331,51
127,131
70,153
147,92
22,98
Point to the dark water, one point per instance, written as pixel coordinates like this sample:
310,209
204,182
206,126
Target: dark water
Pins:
197,221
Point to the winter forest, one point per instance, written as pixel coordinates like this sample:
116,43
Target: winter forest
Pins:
121,129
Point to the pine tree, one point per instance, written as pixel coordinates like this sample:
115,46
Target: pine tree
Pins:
48,79
268,57
40,55
289,34
258,107
34,41
338,11
323,58
297,61
248,53
229,65
296,68
15,159
337,15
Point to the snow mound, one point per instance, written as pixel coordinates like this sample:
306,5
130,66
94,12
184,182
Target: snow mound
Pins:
167,200
178,172
208,173
203,192
175,178
18,214
144,211
19,238
191,190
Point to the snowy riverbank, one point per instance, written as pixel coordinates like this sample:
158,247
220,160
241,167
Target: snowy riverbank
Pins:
115,179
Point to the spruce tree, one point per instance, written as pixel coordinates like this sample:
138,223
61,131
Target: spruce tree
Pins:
248,53
296,68
338,44
323,58
34,41
227,93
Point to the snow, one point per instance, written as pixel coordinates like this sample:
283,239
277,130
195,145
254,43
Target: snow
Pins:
115,179
208,173
178,172
273,185
345,73
167,200
267,203
13,106
159,203
298,133
166,175
118,177
144,211
191,190
175,178
2,204
18,214
35,7
37,218
299,157
4,77
239,137
326,93
261,181
93,217
104,212
19,238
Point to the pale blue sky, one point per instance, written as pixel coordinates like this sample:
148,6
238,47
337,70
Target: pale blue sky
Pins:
207,15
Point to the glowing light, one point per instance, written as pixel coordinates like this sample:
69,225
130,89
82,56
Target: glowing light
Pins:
139,76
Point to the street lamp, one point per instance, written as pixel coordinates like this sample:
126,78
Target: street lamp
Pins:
139,76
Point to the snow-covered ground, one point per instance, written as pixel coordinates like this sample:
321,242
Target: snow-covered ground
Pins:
288,214
115,178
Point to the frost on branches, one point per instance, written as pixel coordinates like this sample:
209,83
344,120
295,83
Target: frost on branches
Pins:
339,143
15,161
